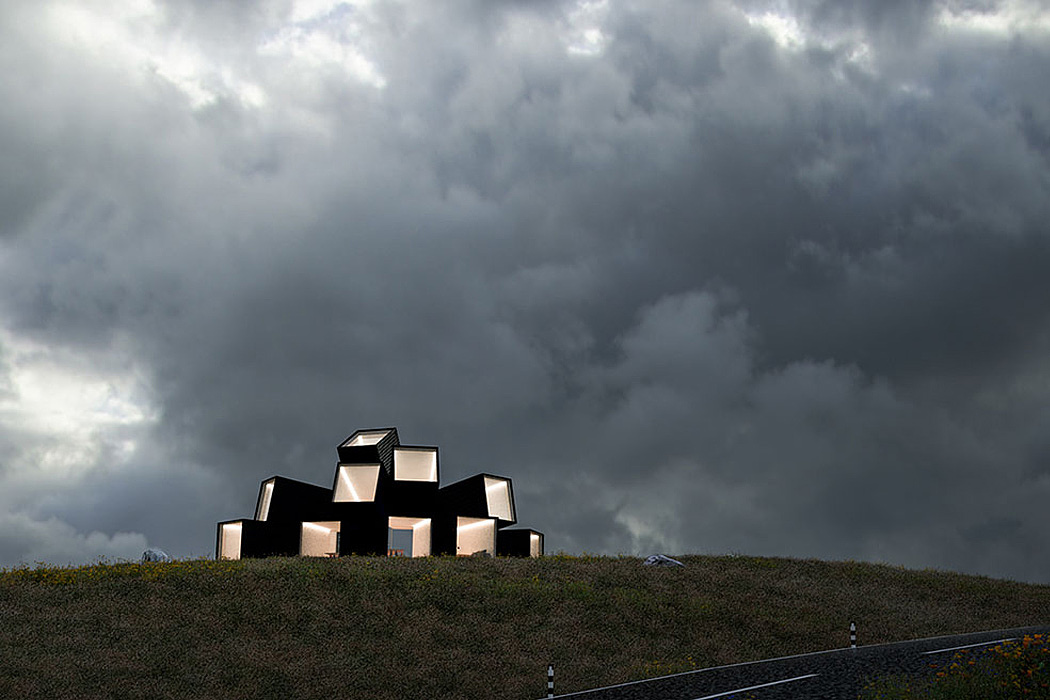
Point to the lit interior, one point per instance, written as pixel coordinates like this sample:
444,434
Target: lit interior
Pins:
230,541
263,510
415,465
357,483
475,535
420,528
319,539
497,493
534,545
370,437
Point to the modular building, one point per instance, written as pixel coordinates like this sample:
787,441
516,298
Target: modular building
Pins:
385,499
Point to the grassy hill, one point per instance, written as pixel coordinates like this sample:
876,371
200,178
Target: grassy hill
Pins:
362,627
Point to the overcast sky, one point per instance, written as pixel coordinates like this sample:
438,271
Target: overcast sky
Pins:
700,277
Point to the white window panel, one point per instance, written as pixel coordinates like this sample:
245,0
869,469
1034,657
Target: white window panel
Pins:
415,465
319,539
263,511
356,483
475,535
371,437
497,493
230,543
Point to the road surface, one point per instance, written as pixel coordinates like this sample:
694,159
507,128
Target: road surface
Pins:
824,675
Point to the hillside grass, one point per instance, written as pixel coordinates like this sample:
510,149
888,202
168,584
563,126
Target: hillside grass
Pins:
442,627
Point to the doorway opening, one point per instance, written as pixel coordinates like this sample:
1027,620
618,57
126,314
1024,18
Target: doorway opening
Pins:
408,537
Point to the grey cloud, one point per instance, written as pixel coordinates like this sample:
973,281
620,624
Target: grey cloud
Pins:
729,295
27,542
897,17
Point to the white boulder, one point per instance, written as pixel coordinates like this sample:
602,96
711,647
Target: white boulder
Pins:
152,554
661,560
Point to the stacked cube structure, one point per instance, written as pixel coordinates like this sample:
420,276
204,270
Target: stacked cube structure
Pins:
385,500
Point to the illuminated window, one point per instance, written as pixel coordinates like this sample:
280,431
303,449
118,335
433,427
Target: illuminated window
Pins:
535,545
319,539
415,464
420,530
475,535
356,483
263,510
230,544
497,493
369,437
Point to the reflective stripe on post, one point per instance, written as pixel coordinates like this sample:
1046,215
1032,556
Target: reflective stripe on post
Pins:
550,680
852,635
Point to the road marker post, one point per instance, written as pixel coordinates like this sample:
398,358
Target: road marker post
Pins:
550,680
852,635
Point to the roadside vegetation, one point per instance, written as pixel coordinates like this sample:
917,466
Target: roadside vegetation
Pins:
442,627
1013,670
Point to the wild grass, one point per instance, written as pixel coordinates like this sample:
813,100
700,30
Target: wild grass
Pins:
1008,671
442,627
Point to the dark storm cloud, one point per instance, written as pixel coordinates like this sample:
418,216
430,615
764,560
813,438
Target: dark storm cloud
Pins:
899,18
695,285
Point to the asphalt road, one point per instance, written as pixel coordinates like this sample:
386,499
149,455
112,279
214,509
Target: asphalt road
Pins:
838,674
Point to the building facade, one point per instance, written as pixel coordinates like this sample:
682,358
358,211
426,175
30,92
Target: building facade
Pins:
385,499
